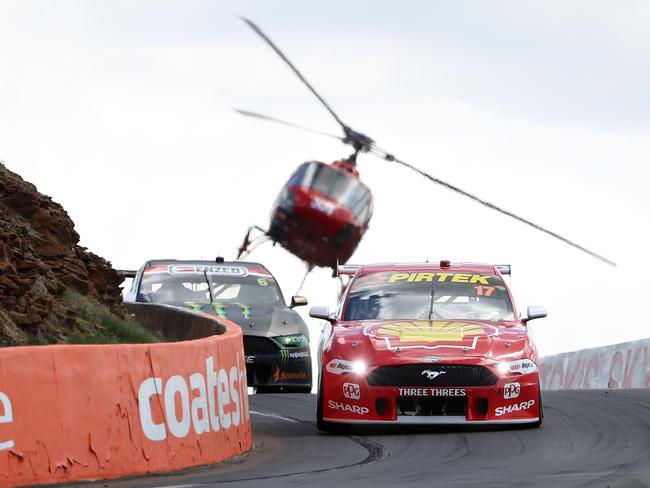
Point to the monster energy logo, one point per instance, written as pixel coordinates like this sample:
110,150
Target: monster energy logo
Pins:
286,355
221,310
195,306
218,307
245,310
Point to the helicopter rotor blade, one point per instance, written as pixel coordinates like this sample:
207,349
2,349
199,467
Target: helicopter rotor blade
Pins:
268,118
277,50
391,158
361,142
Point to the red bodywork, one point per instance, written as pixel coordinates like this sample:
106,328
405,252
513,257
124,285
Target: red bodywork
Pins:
316,227
489,396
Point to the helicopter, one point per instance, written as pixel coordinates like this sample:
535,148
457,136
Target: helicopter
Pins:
323,211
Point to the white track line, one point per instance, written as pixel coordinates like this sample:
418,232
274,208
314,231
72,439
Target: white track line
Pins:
275,416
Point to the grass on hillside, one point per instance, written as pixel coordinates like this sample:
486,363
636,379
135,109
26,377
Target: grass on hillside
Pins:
97,325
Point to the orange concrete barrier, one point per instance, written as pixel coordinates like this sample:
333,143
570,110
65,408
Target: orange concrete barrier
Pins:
90,412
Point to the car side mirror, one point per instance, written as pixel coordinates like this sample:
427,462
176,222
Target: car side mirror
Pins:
534,312
321,312
298,301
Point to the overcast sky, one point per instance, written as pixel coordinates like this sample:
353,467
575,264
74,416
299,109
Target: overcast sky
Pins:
121,111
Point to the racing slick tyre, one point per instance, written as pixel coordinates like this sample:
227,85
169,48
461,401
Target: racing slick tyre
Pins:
322,425
284,389
302,389
541,411
268,389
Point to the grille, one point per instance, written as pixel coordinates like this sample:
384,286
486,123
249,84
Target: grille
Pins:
431,375
254,345
438,406
258,374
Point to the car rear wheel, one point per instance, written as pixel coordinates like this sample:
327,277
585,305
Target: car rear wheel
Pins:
322,425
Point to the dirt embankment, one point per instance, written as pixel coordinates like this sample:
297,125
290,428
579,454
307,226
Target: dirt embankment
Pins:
40,259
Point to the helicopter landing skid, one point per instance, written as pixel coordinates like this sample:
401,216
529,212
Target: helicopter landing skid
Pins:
250,244
310,268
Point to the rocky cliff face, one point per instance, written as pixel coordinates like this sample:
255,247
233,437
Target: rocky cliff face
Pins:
40,258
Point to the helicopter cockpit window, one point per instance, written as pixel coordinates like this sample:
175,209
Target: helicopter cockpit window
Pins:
360,204
298,175
340,187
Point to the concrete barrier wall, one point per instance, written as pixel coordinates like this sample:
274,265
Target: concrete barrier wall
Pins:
91,412
625,365
166,321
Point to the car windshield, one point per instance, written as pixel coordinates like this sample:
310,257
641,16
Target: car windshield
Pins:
344,189
195,286
428,296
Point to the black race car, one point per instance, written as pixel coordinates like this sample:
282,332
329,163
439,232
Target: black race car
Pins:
276,339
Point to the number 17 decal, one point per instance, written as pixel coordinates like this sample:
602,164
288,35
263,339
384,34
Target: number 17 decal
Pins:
484,290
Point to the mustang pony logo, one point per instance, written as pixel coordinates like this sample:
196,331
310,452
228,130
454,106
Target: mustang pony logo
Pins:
430,335
432,375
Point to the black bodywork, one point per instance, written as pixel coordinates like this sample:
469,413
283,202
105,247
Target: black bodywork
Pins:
276,339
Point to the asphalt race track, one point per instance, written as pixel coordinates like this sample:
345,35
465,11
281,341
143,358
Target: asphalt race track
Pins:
589,438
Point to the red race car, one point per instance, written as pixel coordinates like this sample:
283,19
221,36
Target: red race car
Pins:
427,344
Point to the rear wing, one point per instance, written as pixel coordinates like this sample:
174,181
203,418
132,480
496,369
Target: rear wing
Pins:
504,269
347,269
352,269
126,273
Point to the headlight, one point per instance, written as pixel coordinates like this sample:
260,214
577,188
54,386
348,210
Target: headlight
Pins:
358,367
297,340
521,366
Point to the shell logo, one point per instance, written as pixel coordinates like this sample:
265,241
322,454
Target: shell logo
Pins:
461,334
